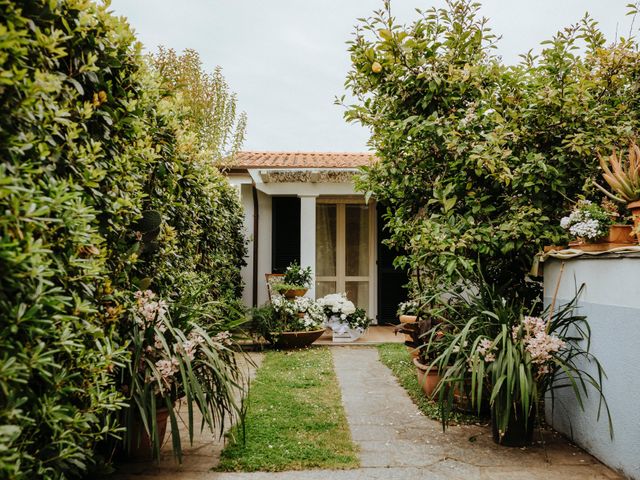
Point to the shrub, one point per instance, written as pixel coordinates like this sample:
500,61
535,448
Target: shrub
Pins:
478,159
102,192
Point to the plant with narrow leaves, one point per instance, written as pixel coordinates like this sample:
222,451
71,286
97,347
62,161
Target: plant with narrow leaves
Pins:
189,365
623,177
502,354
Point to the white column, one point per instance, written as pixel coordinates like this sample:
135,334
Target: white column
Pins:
308,237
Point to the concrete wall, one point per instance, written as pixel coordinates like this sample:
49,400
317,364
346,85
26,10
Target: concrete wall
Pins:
611,302
246,197
264,246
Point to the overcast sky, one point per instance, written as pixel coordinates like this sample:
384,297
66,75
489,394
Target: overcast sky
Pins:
287,59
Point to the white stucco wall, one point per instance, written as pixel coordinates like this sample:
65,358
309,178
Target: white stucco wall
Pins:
264,245
246,197
611,302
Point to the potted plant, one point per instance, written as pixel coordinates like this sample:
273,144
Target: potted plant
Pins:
592,226
296,281
516,360
290,323
408,311
169,364
347,322
624,179
426,343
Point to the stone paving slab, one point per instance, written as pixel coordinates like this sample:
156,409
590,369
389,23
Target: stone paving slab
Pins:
398,443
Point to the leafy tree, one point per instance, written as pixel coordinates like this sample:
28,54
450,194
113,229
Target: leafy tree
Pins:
478,160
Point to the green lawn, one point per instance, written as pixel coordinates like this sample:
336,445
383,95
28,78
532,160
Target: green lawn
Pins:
295,419
397,358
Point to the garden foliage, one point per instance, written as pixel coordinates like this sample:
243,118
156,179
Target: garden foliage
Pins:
107,186
478,159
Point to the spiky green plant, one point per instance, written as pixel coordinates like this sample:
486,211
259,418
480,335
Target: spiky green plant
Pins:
170,364
623,177
511,377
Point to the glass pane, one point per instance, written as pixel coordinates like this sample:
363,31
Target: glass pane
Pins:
358,293
357,240
325,288
326,240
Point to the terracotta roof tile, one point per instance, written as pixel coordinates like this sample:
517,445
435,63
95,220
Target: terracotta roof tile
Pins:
301,160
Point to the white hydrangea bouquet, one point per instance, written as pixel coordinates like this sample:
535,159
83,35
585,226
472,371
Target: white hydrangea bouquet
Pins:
587,221
346,320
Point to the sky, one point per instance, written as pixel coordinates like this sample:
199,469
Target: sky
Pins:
287,59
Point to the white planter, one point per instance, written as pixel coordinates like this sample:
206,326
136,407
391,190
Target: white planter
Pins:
342,333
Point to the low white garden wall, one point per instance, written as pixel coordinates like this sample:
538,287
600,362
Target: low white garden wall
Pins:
611,302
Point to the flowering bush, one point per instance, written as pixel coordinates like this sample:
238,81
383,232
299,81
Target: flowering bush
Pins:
299,314
342,310
169,363
297,276
587,221
511,358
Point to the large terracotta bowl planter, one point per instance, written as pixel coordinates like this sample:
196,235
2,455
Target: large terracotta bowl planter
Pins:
428,377
287,340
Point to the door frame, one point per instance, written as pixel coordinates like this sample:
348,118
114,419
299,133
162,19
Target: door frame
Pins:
340,278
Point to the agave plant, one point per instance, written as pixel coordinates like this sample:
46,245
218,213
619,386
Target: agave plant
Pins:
623,177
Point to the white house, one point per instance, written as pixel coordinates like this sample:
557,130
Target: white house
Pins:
303,206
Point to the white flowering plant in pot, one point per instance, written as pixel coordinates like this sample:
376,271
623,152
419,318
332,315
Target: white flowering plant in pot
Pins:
343,316
300,314
587,221
170,363
410,307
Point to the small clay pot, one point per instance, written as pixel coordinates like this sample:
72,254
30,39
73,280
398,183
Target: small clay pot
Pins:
428,377
294,292
408,318
635,212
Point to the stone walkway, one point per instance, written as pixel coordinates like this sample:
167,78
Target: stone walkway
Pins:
397,442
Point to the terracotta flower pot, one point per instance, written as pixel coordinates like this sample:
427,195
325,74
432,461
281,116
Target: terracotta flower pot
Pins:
622,234
296,339
635,212
294,292
408,318
428,377
618,236
518,433
141,444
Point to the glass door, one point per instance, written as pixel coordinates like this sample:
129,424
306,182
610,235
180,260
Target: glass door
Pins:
343,251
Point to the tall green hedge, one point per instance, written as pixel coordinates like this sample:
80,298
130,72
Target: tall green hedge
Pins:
91,145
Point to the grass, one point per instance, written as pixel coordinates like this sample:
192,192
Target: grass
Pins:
397,358
295,419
